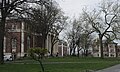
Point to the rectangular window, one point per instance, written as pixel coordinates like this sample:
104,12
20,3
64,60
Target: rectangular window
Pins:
14,27
28,42
14,43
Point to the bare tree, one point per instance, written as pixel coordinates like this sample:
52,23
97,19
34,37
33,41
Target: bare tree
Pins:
73,36
43,19
56,30
103,21
80,35
7,9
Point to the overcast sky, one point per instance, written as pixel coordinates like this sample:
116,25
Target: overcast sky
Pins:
74,7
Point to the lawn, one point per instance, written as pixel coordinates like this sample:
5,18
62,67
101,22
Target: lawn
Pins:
67,64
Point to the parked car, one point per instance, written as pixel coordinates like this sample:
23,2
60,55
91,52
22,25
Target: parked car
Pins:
8,58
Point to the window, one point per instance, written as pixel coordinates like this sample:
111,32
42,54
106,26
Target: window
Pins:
118,50
14,27
111,46
14,43
112,55
28,42
111,50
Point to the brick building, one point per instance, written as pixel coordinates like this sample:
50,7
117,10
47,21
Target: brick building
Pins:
109,49
18,38
62,48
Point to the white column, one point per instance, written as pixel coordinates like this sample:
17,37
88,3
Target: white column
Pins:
22,39
4,45
99,51
62,48
68,50
109,51
33,41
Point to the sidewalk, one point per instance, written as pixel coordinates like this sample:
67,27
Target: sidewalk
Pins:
115,68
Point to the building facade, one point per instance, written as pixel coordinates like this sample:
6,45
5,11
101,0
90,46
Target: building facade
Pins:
18,39
109,49
62,48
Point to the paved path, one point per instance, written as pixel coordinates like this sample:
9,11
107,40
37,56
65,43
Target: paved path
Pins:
115,68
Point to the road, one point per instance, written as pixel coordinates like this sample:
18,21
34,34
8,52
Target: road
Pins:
115,68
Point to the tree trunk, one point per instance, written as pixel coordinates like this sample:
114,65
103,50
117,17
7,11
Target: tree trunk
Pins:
44,42
74,51
86,52
70,51
2,31
78,52
43,70
52,50
101,47
116,49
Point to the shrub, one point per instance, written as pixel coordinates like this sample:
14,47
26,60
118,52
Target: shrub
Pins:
38,54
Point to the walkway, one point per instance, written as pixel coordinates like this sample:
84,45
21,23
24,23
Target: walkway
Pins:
115,68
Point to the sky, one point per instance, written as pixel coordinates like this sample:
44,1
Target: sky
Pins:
73,8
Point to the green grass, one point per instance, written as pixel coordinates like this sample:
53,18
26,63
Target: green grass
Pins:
19,68
81,59
75,67
68,64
